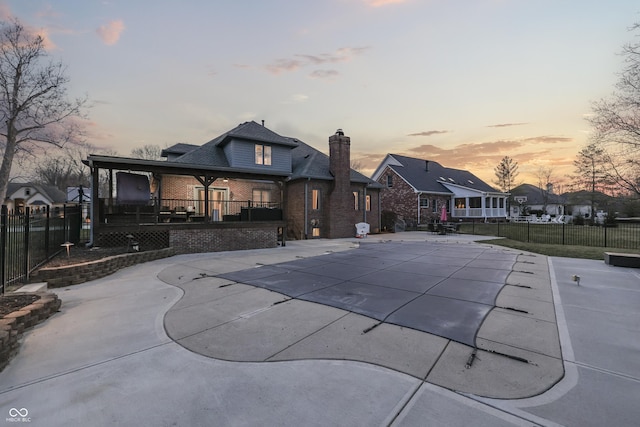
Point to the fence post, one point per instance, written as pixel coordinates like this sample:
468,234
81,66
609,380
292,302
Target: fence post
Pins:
528,227
605,234
563,224
3,247
46,232
27,227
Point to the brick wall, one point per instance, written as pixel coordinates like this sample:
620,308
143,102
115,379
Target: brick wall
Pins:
225,238
403,200
183,187
296,206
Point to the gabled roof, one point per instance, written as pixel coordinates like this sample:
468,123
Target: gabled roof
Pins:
211,153
430,177
535,195
49,191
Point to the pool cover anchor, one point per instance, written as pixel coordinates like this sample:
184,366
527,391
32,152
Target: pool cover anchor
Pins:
471,358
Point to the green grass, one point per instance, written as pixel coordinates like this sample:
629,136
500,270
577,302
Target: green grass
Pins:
569,251
623,236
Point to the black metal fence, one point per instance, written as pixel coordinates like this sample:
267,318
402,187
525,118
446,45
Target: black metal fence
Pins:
29,239
622,235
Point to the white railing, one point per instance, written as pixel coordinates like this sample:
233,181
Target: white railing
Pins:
478,213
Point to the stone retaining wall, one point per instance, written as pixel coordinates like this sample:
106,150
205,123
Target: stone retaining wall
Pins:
14,324
57,277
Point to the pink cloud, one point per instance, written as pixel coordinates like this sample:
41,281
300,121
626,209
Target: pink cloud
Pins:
110,32
380,3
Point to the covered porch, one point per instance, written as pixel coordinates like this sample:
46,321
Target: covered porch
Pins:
485,206
142,211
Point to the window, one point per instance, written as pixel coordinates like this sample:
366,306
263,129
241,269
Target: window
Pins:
261,198
27,191
389,180
368,202
356,199
315,232
434,206
475,202
460,203
263,155
315,199
424,202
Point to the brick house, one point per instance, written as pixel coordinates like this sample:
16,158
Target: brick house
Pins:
417,190
321,195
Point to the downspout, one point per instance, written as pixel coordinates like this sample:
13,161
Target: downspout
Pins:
418,201
306,208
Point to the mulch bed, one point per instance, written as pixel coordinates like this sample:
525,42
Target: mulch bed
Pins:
11,303
77,254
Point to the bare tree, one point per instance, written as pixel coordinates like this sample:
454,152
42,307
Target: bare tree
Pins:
148,152
33,98
616,121
356,165
544,174
591,171
506,174
64,168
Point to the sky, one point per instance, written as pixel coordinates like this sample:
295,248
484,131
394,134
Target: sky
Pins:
460,82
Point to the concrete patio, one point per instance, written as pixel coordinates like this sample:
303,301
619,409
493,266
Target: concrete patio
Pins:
247,355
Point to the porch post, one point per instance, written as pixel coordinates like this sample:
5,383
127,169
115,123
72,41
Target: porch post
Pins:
110,190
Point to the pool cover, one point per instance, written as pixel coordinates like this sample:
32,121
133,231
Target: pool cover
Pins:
442,289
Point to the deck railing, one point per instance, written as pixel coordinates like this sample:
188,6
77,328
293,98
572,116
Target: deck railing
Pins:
191,210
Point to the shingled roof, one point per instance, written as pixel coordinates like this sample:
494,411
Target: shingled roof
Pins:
306,161
429,177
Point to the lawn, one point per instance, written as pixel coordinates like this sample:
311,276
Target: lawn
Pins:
564,235
569,251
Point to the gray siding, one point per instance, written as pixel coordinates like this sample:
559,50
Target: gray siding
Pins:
241,154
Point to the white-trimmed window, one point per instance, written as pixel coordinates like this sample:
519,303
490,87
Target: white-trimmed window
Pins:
263,154
368,202
389,180
424,202
356,200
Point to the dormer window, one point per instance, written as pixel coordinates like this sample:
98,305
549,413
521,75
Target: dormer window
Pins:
27,191
263,155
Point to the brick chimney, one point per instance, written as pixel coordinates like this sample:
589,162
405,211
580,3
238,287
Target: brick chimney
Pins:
341,196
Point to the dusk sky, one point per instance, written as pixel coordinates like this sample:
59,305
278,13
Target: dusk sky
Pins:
463,83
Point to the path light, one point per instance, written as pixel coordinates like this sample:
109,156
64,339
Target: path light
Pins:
576,279
68,246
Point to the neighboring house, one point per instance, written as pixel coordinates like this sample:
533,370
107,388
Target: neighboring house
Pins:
322,196
526,198
35,196
579,203
417,190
